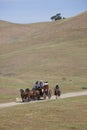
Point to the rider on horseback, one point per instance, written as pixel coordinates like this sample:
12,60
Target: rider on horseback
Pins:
57,90
57,86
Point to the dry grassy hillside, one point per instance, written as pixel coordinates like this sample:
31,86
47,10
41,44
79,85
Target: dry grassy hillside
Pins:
50,51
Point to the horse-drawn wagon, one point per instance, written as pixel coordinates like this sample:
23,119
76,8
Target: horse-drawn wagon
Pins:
36,93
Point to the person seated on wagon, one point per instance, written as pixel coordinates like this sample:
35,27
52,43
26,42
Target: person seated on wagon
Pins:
41,84
35,85
46,83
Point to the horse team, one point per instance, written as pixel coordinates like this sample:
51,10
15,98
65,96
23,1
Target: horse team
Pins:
39,92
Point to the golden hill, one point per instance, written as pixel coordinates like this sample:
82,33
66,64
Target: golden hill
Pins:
48,51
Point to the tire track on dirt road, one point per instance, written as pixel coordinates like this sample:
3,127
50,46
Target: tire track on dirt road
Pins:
66,95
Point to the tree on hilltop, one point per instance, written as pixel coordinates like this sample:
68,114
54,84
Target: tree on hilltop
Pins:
57,17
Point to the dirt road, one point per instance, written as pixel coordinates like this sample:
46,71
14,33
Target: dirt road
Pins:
66,95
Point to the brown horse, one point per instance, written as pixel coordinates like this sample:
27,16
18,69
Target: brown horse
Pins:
36,94
32,94
29,94
46,91
23,95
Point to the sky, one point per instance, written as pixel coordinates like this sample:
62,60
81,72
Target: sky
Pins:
33,11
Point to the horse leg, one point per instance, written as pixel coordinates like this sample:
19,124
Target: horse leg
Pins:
44,95
49,93
56,96
22,97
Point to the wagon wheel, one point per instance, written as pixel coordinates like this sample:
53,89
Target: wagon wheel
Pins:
49,93
44,95
38,98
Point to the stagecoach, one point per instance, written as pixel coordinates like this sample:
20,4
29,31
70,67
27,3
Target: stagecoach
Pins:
36,94
45,91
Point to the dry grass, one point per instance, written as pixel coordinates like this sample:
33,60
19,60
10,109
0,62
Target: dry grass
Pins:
61,114
53,51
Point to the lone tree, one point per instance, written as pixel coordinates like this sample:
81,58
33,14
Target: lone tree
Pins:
56,17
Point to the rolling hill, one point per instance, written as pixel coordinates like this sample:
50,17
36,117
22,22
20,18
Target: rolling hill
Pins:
53,51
